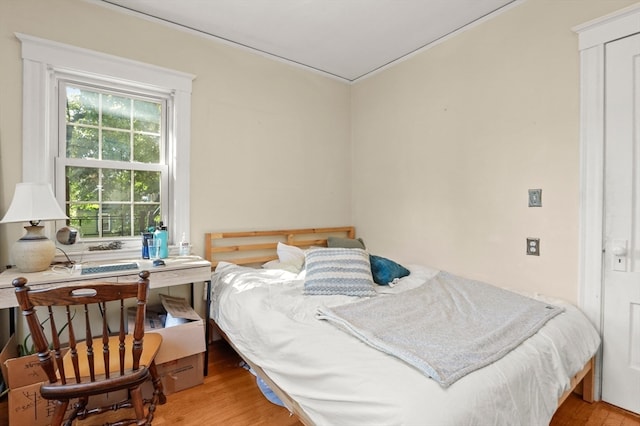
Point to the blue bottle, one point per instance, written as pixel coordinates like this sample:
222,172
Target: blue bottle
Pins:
146,236
160,237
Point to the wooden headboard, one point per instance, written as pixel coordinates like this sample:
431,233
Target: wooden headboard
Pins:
257,247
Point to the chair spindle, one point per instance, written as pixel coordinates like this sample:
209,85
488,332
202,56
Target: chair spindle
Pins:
55,337
72,347
121,337
105,341
89,343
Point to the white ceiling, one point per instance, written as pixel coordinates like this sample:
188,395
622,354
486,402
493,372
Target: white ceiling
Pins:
345,38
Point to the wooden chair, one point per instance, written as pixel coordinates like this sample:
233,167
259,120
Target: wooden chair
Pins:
97,365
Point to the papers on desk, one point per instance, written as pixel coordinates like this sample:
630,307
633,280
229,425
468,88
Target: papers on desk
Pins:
154,318
178,310
172,321
174,311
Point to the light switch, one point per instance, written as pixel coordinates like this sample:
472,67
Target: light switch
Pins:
535,198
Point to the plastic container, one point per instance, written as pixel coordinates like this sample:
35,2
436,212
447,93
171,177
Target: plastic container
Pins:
146,236
160,237
184,248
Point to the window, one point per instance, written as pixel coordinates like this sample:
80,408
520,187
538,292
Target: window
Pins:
112,136
112,146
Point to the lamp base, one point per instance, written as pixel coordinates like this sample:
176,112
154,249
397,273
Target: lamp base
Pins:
34,252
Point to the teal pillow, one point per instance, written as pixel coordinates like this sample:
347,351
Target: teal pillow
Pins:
385,271
345,242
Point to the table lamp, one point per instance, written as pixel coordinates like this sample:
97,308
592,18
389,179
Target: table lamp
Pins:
33,202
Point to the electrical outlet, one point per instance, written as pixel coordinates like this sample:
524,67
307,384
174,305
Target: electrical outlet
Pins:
533,246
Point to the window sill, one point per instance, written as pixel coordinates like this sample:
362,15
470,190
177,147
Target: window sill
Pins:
128,253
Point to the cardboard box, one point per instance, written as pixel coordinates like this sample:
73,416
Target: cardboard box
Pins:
178,375
19,372
24,376
182,373
181,356
27,407
154,318
182,340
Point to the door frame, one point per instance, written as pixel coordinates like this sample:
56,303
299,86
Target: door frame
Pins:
592,37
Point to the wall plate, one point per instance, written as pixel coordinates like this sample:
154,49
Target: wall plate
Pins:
533,246
535,198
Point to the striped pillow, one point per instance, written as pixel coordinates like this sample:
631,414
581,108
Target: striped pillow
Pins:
345,271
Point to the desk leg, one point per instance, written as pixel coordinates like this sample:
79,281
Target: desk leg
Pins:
206,328
12,321
206,325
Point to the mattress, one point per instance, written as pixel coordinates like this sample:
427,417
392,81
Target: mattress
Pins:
337,379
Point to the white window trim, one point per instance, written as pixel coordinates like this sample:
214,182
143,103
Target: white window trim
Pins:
42,59
593,36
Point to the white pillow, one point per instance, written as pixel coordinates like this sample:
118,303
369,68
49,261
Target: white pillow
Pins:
291,255
276,264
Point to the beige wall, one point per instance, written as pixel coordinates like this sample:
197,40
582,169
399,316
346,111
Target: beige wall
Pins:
270,141
447,143
444,144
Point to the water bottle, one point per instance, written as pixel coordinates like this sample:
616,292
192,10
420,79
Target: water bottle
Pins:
146,236
160,237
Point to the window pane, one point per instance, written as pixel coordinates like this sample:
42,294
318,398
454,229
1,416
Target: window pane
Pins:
147,196
146,116
146,187
116,111
146,215
116,220
116,185
146,148
82,142
82,106
83,184
116,145
84,218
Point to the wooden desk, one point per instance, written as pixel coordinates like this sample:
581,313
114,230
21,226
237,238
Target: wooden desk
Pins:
177,271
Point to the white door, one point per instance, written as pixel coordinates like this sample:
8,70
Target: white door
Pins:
621,290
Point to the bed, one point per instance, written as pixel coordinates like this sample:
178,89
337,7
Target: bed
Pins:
326,376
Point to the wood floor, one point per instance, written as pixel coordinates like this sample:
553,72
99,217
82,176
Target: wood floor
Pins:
576,412
230,397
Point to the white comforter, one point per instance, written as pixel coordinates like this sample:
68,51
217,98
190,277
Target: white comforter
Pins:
338,380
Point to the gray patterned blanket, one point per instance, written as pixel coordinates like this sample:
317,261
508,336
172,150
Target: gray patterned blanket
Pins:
447,327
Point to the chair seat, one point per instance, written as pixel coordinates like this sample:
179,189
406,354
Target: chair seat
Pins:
152,342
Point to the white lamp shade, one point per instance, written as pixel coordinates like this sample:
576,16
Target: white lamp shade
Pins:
33,202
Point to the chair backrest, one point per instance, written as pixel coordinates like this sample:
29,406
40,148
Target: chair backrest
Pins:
78,301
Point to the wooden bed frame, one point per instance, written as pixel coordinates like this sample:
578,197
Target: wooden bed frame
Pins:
257,247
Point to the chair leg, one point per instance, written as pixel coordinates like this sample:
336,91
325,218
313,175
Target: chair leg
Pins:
138,405
79,410
58,413
158,390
